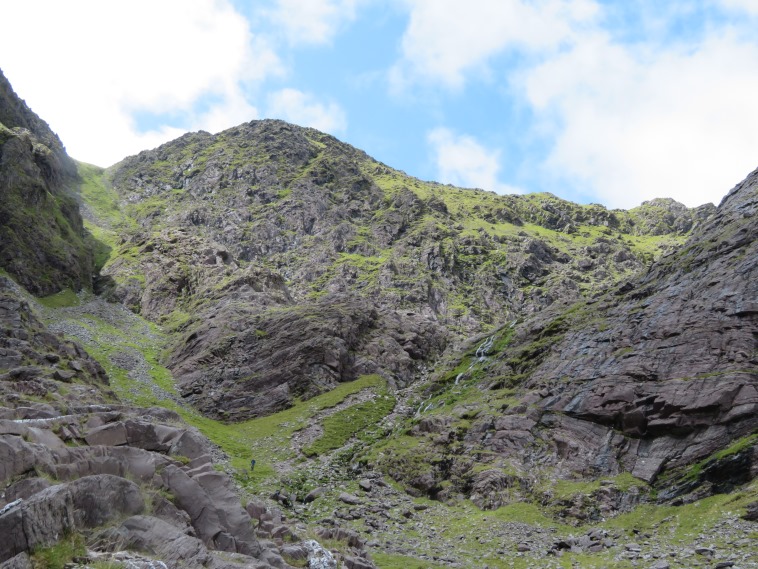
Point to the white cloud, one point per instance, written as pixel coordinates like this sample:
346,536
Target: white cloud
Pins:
750,6
303,109
313,21
644,124
463,162
447,39
92,65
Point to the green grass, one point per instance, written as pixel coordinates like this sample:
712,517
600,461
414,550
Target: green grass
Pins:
391,561
267,439
102,200
62,299
566,489
687,521
58,555
340,427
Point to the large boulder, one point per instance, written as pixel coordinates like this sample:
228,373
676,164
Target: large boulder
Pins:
88,502
159,538
99,499
19,457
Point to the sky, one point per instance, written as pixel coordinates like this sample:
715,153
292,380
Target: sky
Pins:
597,101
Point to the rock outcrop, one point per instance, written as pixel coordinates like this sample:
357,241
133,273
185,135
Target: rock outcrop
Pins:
36,365
128,459
614,359
43,243
657,378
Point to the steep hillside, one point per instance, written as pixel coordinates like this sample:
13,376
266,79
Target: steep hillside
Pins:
289,262
657,377
43,243
92,475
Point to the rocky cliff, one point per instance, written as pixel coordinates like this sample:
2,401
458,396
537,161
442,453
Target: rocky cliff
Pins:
290,262
43,244
657,377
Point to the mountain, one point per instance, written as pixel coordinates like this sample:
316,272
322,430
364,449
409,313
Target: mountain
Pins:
422,375
38,182
656,377
282,242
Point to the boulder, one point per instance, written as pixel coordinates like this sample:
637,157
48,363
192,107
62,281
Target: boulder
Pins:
112,434
26,488
313,494
159,538
44,518
14,540
358,563
349,499
192,445
19,457
318,557
150,436
100,499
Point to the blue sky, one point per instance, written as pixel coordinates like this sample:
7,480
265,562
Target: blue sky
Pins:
611,102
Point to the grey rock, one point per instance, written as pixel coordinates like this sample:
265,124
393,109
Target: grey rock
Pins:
313,494
349,499
191,497
24,489
102,498
113,434
20,561
357,563
318,557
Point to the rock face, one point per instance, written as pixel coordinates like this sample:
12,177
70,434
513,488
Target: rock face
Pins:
88,502
671,366
43,244
287,261
89,487
245,363
649,378
282,263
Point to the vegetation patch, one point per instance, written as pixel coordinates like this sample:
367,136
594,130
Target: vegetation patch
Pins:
391,561
60,554
356,420
62,299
